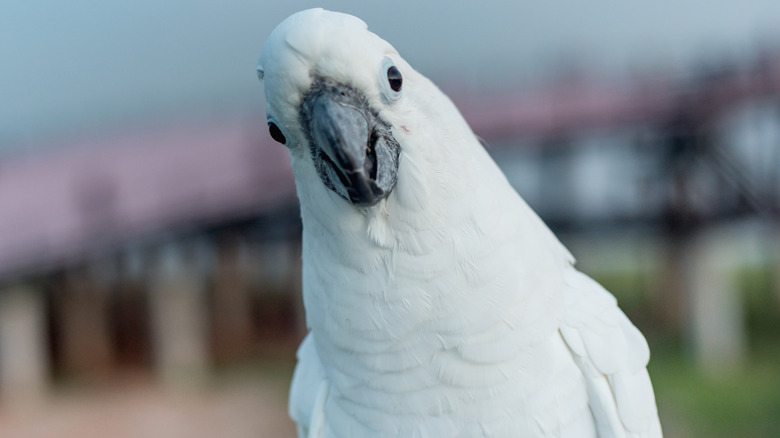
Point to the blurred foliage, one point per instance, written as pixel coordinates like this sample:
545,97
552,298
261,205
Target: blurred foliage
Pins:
692,404
762,307
631,288
744,403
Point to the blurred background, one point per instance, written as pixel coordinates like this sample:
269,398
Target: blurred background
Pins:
149,232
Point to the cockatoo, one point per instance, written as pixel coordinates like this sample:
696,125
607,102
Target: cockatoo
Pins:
439,304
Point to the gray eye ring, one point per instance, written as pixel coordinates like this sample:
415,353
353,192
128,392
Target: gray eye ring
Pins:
390,81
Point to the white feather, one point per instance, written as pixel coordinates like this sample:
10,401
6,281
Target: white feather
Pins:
448,309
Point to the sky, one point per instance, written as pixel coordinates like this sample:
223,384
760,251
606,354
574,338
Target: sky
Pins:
75,66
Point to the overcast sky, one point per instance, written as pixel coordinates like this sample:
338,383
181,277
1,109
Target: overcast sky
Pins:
79,64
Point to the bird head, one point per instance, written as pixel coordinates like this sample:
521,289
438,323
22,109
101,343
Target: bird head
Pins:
351,111
332,88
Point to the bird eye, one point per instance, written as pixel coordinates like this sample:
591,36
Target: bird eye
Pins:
394,78
276,133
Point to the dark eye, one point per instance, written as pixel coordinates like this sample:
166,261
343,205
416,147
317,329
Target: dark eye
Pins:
276,133
394,78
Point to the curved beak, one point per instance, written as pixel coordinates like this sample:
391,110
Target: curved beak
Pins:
355,153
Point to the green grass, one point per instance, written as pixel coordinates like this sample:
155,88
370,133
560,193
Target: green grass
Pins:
743,403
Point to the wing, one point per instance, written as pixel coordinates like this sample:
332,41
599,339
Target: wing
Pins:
612,355
309,391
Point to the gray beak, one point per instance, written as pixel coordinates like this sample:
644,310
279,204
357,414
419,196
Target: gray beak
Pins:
354,151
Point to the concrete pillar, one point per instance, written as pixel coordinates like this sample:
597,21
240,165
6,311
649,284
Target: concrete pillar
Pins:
24,366
717,320
179,317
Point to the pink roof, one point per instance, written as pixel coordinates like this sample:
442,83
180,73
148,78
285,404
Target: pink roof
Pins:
88,193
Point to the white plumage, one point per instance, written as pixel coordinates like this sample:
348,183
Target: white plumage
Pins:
446,308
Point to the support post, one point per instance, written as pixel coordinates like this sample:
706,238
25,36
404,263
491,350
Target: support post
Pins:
179,318
24,361
717,325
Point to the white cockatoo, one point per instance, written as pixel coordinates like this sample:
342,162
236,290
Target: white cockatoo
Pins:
439,304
